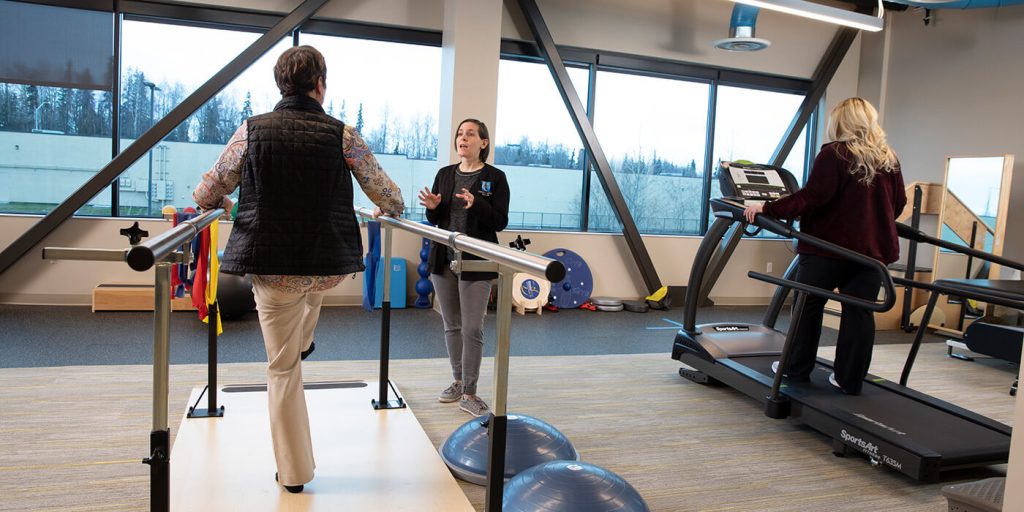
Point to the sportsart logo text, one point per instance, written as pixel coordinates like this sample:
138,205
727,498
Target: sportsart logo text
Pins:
731,328
865,446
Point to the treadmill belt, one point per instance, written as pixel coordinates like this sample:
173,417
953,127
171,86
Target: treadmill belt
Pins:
958,440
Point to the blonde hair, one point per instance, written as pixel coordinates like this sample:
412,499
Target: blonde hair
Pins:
855,122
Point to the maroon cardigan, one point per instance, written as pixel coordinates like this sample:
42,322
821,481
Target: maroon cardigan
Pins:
836,207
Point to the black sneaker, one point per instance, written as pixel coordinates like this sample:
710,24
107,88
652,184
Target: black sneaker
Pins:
306,353
294,489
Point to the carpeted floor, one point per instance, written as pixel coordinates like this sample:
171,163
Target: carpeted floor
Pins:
38,336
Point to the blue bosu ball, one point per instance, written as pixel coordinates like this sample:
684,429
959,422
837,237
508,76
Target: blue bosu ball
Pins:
566,486
528,442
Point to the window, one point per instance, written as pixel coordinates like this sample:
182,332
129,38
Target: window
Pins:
653,131
163,64
369,87
538,148
54,116
750,124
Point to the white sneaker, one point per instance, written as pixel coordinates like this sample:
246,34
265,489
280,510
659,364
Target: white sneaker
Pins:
832,380
775,367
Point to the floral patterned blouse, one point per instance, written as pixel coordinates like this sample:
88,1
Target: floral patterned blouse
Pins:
225,175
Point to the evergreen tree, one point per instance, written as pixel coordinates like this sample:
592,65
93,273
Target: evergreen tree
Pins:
246,108
62,119
104,113
209,122
87,120
359,119
29,102
341,114
7,101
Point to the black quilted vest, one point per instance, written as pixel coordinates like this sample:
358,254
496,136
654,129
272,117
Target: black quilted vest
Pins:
295,212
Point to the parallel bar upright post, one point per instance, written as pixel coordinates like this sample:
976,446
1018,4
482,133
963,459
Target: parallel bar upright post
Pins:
160,455
211,392
385,320
498,421
382,401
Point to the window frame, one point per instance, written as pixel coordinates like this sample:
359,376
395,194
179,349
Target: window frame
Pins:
600,60
250,20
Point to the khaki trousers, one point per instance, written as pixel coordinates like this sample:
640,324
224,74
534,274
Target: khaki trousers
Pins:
288,321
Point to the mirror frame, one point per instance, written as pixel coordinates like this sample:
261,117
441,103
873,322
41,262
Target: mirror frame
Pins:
999,232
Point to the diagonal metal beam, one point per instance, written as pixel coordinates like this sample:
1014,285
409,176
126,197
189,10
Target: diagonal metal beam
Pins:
155,134
823,75
586,131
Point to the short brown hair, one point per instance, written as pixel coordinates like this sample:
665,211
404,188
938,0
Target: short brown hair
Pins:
298,69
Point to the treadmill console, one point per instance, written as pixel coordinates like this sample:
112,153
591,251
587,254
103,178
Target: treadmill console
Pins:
748,182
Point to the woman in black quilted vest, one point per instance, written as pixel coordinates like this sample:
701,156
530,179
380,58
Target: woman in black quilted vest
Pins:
295,232
470,197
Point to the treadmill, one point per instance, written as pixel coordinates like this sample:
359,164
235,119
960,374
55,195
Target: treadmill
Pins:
891,424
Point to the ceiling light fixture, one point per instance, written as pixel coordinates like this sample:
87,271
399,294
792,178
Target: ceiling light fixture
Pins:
822,13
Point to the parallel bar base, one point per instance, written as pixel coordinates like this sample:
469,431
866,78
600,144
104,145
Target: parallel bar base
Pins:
366,459
205,413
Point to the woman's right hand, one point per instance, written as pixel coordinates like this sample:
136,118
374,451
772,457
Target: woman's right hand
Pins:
428,200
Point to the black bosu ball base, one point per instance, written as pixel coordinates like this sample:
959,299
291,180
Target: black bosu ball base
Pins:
529,441
567,486
234,295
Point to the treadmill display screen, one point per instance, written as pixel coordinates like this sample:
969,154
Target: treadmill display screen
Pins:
752,182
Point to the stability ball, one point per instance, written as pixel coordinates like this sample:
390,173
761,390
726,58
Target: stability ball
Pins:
234,295
528,442
570,486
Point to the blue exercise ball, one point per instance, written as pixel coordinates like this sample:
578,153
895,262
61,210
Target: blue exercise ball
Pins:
234,296
528,442
568,486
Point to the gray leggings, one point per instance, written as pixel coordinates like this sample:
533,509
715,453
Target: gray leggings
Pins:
463,307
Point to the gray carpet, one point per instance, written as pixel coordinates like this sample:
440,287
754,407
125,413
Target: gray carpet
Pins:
39,336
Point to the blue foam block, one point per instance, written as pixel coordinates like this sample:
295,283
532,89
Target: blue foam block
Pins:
397,283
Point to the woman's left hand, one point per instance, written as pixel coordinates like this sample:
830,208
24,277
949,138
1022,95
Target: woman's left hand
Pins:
751,211
466,196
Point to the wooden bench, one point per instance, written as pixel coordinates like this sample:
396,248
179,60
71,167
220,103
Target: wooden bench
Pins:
132,297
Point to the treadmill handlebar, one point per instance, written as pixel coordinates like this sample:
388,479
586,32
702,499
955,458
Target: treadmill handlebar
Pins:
987,295
821,292
911,233
726,207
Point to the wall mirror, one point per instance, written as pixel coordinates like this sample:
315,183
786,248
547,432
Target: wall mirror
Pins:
973,213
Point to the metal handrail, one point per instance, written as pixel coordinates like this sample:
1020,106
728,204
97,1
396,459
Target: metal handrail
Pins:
914,234
552,270
142,257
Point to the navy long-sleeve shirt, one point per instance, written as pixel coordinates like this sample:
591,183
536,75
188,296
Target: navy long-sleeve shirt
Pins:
835,206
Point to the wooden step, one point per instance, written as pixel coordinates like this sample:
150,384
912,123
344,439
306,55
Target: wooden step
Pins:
132,297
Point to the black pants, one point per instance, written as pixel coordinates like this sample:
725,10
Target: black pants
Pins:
856,328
